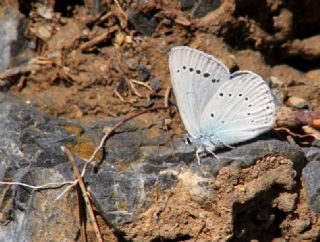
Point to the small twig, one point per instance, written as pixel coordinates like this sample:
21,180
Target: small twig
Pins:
133,88
142,84
100,38
66,189
4,193
121,10
77,174
104,18
18,71
302,136
82,216
44,186
166,97
119,96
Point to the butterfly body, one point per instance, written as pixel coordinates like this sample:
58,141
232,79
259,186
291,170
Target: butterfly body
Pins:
216,107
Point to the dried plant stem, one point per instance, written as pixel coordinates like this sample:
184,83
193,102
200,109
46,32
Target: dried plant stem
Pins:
77,174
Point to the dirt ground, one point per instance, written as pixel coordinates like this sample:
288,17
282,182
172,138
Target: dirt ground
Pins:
89,64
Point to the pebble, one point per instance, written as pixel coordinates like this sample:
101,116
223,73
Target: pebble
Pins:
310,175
141,22
144,72
155,84
298,102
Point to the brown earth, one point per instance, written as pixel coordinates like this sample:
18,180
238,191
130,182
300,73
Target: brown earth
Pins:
75,78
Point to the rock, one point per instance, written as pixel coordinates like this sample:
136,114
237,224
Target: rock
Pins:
298,103
312,153
146,184
65,37
142,23
286,117
308,48
44,32
12,41
155,84
144,72
253,61
286,201
312,184
30,153
132,63
288,74
45,11
200,8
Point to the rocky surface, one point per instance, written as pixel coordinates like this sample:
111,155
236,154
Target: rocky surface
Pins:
95,62
148,186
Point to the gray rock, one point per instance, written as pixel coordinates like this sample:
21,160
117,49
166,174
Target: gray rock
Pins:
312,184
30,153
12,41
155,84
144,24
144,72
200,8
144,175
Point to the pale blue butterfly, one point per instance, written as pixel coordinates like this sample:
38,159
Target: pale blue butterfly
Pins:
218,108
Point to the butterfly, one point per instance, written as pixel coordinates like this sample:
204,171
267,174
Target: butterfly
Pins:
218,108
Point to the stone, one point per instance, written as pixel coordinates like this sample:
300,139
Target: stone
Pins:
12,41
298,102
155,84
142,23
200,8
145,180
312,184
144,72
30,153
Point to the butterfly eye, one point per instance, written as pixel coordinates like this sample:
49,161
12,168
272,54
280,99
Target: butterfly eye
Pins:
240,94
221,94
230,94
191,69
187,141
198,71
184,67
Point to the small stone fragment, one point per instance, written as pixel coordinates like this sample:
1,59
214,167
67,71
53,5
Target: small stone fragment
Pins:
298,102
144,72
141,22
311,181
286,201
155,84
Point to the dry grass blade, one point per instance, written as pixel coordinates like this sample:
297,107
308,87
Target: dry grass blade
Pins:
82,186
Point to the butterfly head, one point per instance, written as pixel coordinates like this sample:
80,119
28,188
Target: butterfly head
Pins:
203,142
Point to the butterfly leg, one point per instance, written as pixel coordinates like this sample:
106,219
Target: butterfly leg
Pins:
229,146
214,155
199,150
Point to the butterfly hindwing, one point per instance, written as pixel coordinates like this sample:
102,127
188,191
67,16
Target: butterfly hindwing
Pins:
196,77
240,110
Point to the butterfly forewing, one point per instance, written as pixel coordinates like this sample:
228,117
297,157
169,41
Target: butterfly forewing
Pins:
240,110
196,77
